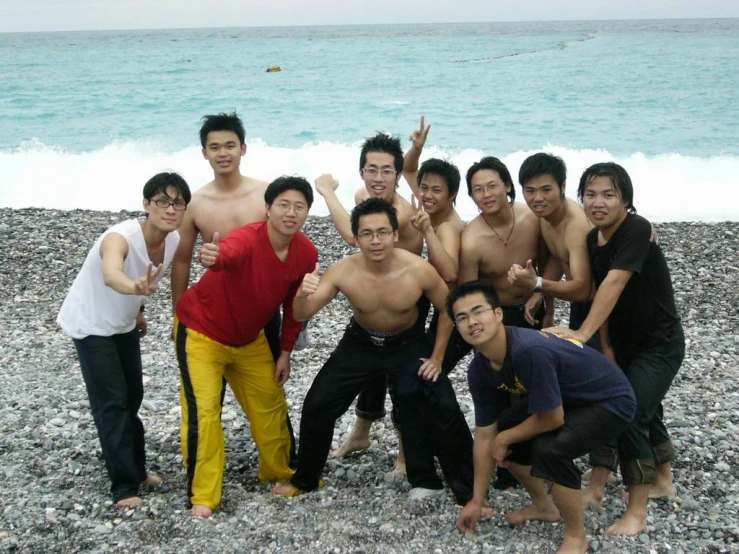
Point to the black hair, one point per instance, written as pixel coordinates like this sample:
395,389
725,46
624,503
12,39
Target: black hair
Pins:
494,164
162,181
540,164
221,122
288,182
387,144
618,176
472,287
446,171
373,206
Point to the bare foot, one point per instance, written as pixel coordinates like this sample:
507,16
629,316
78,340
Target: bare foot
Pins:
286,489
351,444
198,510
592,497
153,480
399,468
533,513
487,510
129,502
630,525
573,545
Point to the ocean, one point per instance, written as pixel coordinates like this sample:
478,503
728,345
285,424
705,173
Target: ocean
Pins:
87,117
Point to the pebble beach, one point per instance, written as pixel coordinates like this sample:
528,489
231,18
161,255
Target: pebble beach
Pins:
55,496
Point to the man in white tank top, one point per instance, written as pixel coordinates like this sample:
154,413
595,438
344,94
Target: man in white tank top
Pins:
104,314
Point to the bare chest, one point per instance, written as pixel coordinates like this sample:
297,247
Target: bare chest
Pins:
225,216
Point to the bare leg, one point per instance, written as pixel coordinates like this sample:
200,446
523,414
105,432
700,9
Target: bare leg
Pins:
663,486
569,502
199,510
588,474
594,492
129,502
357,440
634,520
399,470
542,506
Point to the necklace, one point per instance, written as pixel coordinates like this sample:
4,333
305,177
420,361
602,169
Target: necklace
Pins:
501,239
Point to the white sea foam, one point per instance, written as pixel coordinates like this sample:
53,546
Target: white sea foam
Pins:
668,187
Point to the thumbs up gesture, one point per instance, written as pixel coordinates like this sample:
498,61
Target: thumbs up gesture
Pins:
209,252
522,277
310,283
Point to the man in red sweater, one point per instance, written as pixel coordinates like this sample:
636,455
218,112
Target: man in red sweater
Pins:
219,334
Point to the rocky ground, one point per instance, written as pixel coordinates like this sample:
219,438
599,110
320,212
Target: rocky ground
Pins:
55,496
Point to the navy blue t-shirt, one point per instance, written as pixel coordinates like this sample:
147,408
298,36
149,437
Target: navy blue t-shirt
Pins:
553,372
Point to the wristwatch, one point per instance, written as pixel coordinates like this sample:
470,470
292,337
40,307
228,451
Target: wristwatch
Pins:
539,284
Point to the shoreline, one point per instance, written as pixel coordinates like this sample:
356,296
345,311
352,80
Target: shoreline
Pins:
56,490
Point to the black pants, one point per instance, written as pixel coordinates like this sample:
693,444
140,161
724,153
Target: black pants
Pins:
551,455
645,443
111,368
356,361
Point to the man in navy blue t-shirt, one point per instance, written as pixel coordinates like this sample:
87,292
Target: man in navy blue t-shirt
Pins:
577,400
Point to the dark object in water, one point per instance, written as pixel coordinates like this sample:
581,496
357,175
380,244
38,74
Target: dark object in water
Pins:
274,69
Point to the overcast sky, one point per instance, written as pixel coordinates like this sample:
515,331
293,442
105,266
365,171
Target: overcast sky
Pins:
64,15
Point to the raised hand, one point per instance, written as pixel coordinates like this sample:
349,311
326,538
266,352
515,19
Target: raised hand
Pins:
522,277
146,285
420,220
418,136
209,252
310,283
326,183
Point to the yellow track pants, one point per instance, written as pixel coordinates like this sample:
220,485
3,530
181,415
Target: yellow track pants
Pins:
249,371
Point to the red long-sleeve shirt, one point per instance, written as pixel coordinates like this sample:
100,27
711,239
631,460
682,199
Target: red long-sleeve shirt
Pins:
237,296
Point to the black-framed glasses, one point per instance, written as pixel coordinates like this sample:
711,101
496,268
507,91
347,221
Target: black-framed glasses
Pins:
380,234
476,314
165,203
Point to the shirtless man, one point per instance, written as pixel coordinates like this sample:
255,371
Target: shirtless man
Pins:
564,229
380,166
383,285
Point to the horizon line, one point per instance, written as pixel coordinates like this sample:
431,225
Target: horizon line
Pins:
194,28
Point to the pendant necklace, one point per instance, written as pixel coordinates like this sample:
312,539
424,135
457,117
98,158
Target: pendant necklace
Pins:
501,239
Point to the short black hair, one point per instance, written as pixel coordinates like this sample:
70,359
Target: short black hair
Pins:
221,122
494,164
162,181
618,176
373,206
444,169
472,287
543,163
288,182
385,143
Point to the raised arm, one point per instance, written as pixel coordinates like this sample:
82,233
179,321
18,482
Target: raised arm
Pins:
315,292
180,278
410,162
326,186
113,252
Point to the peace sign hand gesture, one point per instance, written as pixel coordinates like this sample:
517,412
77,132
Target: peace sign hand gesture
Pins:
145,286
418,136
420,220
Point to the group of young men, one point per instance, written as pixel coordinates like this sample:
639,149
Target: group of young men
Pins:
542,398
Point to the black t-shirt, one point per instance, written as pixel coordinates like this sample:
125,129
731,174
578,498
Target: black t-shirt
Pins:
645,313
553,372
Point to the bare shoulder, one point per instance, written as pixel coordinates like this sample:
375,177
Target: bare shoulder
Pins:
361,195
254,184
578,225
453,224
524,213
474,230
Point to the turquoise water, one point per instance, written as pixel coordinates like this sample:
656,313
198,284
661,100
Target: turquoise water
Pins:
659,96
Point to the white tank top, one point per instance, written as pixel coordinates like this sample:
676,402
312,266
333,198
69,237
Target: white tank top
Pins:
93,308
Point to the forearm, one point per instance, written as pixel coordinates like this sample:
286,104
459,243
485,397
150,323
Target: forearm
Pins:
410,168
180,279
603,304
532,426
445,265
118,281
572,291
302,309
484,467
340,217
443,333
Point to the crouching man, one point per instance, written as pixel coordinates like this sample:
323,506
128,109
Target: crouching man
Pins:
577,400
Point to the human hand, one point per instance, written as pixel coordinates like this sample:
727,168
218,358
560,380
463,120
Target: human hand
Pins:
430,369
469,516
141,324
418,136
209,252
282,369
145,286
310,283
522,277
420,220
326,184
531,307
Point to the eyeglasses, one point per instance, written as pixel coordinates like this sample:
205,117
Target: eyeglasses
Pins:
482,189
163,203
386,172
285,207
464,319
380,234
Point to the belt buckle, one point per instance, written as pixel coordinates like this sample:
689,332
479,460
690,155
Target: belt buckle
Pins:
377,341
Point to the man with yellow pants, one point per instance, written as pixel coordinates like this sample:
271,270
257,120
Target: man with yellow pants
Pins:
219,335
